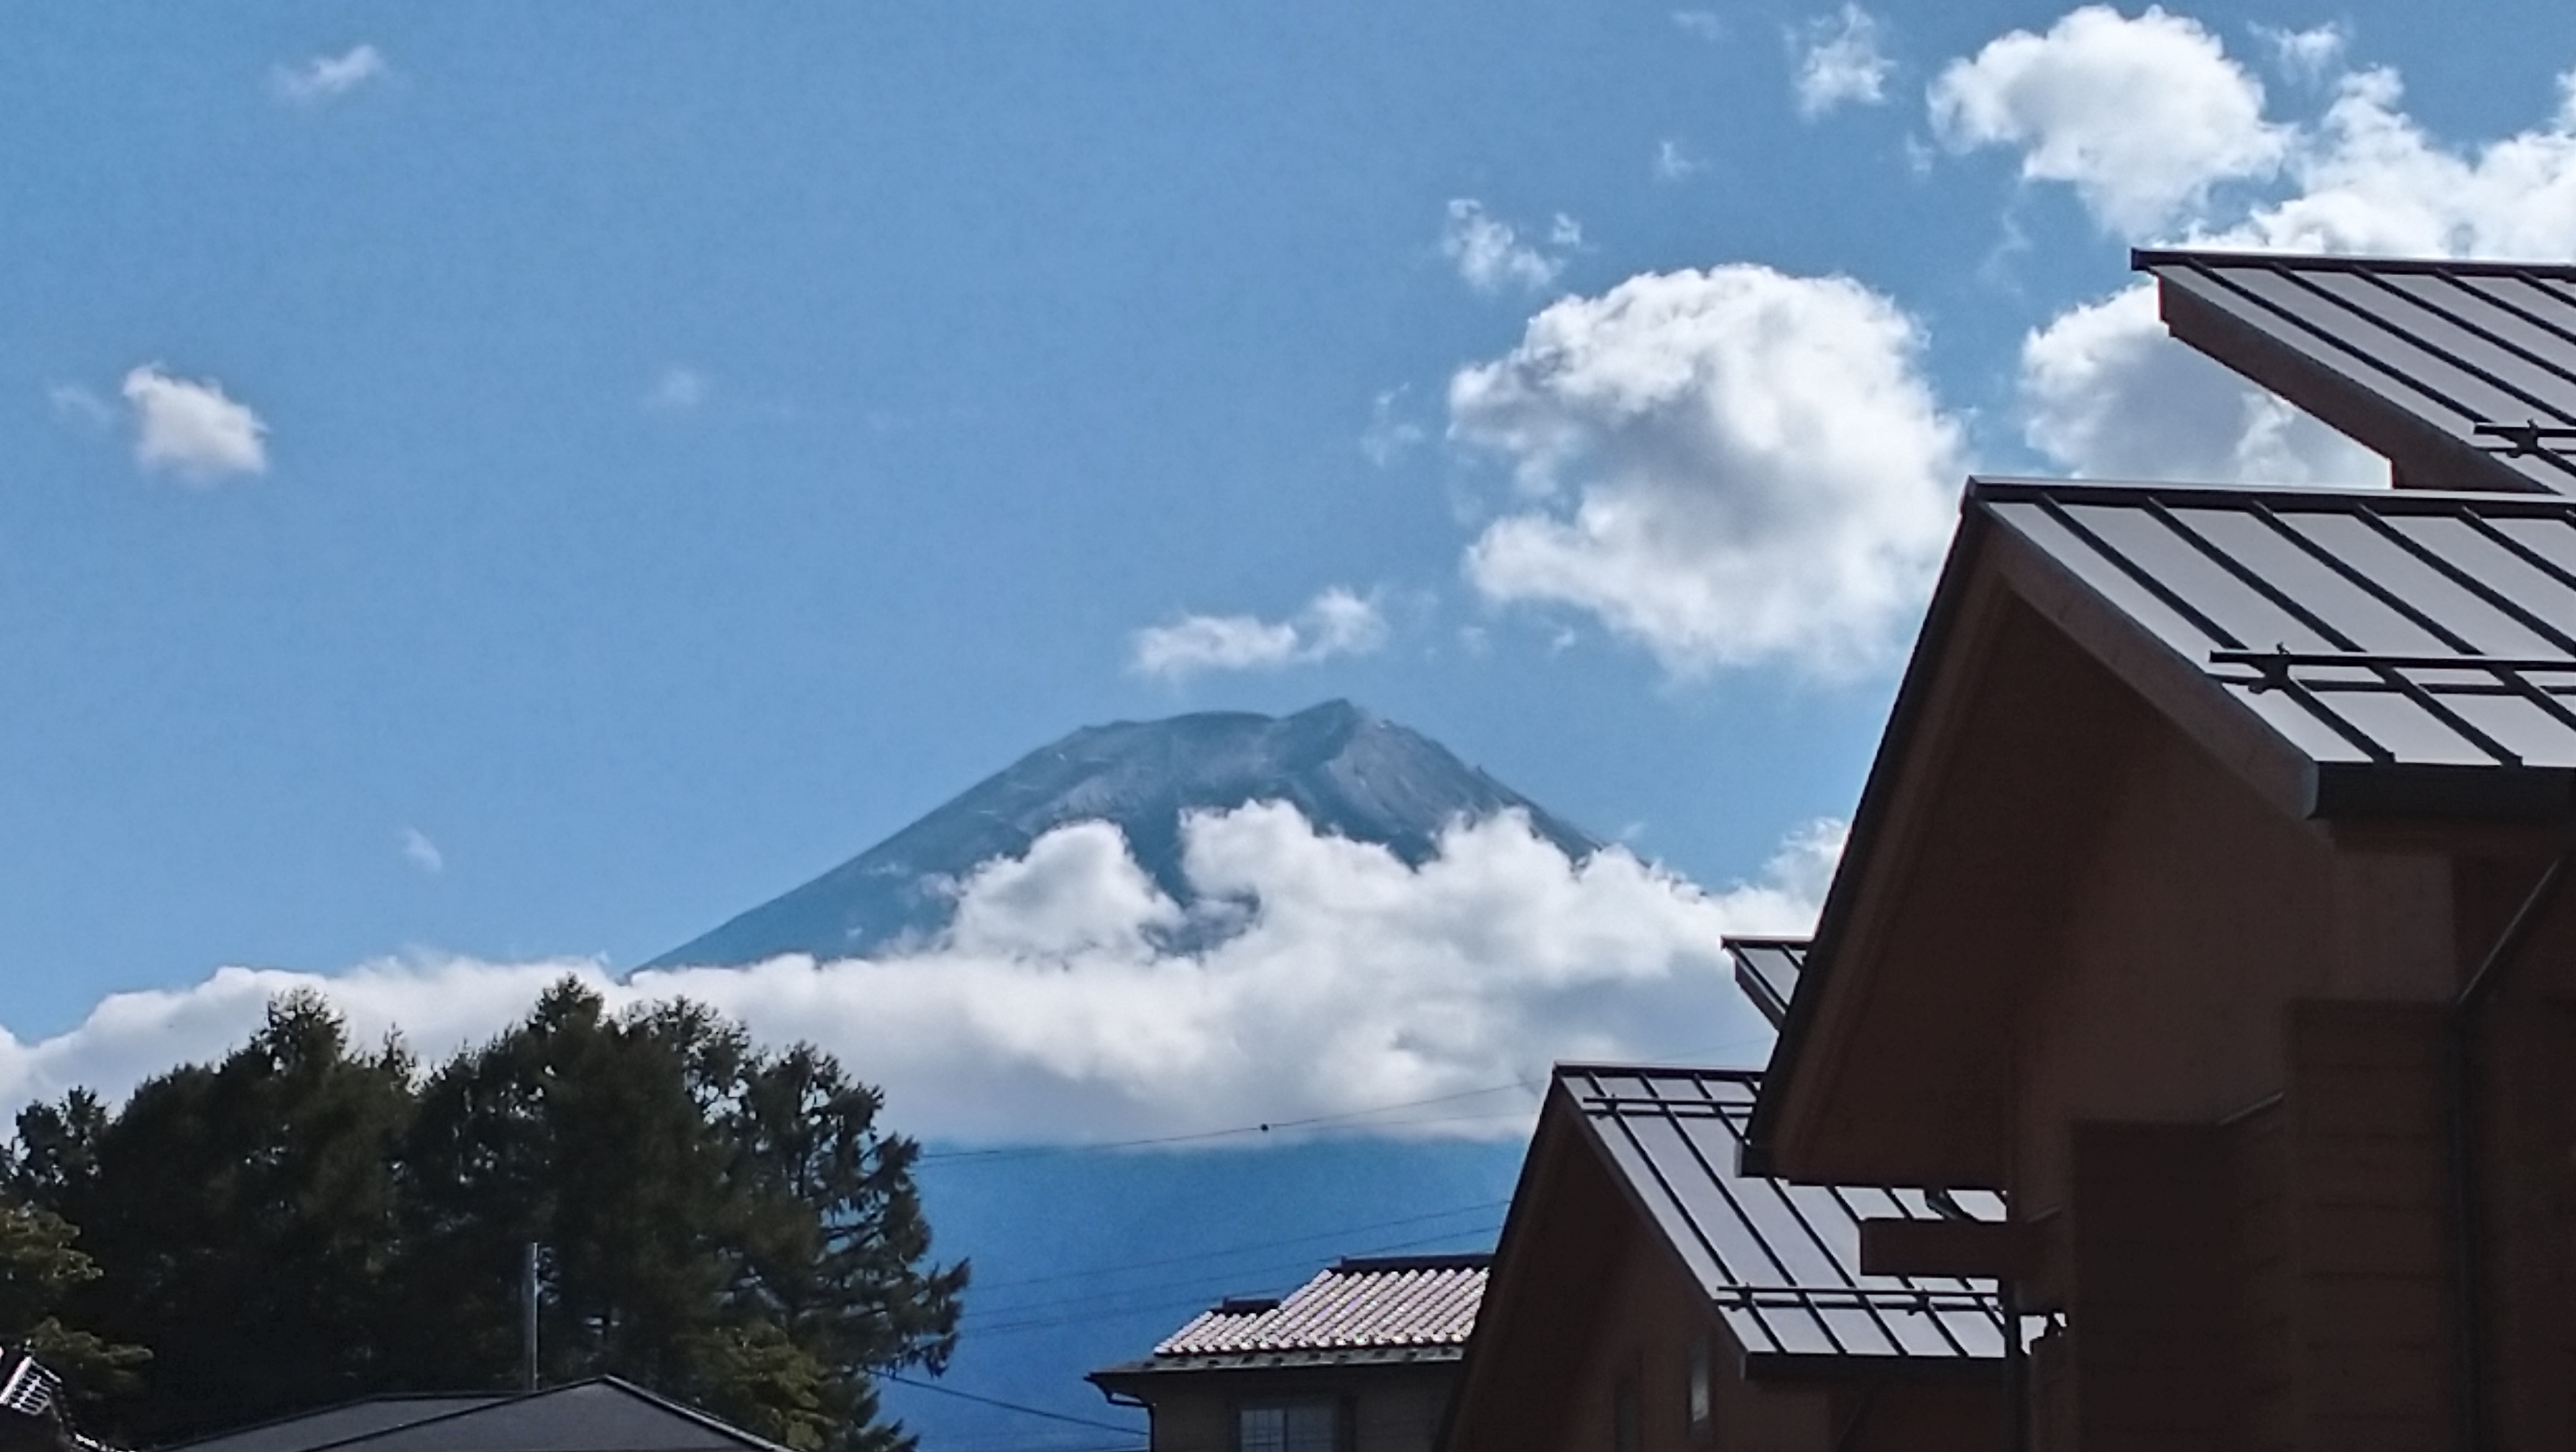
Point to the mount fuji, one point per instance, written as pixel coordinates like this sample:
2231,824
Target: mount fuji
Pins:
1351,773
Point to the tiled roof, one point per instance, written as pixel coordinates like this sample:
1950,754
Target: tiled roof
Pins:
1780,1262
1416,1301
2388,635
2462,373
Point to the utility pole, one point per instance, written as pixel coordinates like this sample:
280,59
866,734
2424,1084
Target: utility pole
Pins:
528,1317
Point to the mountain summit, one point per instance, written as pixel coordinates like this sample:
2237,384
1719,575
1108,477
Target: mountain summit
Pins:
1352,773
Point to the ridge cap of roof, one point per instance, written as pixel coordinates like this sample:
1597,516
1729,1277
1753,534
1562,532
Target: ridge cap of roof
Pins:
1693,1071
2141,258
1986,486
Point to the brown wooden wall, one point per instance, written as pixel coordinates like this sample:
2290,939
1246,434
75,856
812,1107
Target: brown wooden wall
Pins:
1390,1409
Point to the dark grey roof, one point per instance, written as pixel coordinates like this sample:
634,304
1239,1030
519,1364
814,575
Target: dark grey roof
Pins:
603,1414
2462,373
1780,1262
2419,648
339,1424
1767,970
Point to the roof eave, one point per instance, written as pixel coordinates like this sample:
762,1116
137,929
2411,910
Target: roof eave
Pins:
2416,449
1862,844
1804,1367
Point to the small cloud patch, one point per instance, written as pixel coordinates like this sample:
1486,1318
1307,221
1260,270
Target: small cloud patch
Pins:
1336,622
678,390
327,77
1492,255
421,852
188,428
1840,63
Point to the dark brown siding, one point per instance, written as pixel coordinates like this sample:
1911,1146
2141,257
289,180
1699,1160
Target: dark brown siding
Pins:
2152,1341
2369,1216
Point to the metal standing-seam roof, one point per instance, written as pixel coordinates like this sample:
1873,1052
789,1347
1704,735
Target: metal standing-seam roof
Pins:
1767,970
1780,1262
2418,647
1358,1303
2462,373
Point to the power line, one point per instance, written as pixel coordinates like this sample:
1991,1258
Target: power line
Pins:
1203,1278
1026,1411
1244,1249
1095,1311
1025,1151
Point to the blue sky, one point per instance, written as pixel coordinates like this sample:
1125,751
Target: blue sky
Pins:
496,489
521,485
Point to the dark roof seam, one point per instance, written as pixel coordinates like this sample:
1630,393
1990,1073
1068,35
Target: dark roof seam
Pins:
2340,345
2362,580
2250,578
2508,305
2494,598
1699,1232
2523,552
2476,370
2165,594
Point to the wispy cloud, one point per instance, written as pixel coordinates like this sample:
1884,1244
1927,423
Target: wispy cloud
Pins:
1390,435
1332,977
327,77
2308,55
188,428
1336,622
1490,254
421,852
1705,24
678,389
1840,63
73,403
1673,163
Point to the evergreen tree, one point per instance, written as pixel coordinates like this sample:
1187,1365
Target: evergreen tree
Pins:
242,1215
302,1223
39,1268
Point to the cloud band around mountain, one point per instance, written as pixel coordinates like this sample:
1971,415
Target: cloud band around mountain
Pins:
1057,1008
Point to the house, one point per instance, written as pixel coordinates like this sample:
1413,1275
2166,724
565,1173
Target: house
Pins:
1359,1359
2206,901
1650,1295
602,1414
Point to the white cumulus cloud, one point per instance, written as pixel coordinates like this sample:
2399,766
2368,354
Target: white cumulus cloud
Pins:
2110,395
1336,622
1727,467
1346,980
1491,255
325,77
189,428
2107,393
2141,116
1840,63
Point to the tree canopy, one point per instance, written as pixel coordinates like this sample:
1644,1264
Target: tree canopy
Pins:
307,1221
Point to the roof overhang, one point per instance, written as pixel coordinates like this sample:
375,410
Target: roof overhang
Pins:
2026,677
2430,363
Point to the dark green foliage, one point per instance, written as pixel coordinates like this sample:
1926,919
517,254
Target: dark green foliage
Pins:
39,1267
302,1224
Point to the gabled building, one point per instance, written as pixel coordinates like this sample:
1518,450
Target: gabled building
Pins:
1649,1296
2206,901
1361,1358
602,1414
